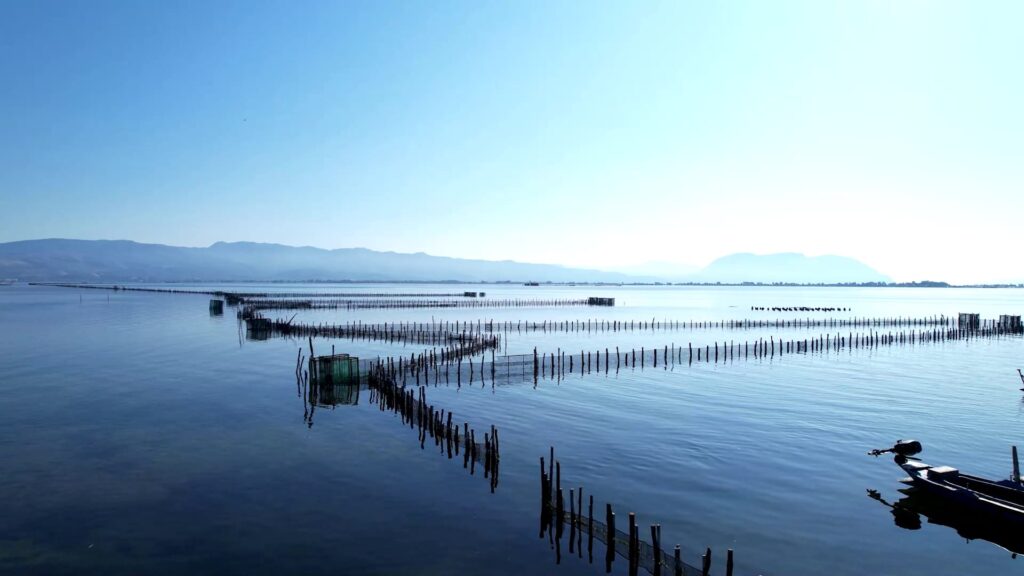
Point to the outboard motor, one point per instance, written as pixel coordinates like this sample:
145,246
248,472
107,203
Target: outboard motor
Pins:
907,447
903,448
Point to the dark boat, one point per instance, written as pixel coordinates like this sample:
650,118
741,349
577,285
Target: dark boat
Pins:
907,513
1000,500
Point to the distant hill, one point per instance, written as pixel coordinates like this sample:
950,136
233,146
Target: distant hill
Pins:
126,261
788,267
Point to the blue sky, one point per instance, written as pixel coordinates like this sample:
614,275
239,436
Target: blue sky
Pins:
599,134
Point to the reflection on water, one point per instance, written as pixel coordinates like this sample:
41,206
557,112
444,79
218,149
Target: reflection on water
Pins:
908,510
142,436
652,557
325,393
335,380
330,381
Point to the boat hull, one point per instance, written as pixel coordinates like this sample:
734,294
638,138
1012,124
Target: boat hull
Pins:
962,494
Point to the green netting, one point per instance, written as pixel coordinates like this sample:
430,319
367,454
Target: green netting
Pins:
336,369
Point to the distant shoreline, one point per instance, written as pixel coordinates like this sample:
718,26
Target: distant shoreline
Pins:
924,284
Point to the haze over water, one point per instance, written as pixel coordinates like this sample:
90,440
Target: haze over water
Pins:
140,434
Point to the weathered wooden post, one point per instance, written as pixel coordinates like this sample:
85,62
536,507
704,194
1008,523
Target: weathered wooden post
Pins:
656,543
1016,466
633,536
590,528
610,537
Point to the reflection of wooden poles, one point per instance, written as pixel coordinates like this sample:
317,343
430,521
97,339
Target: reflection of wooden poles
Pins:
436,423
651,557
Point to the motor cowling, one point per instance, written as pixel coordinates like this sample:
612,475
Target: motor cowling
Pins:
902,448
907,447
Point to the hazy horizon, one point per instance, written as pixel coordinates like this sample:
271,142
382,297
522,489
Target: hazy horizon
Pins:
124,260
643,271
591,135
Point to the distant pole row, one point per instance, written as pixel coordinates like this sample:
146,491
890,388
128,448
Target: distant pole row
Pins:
237,297
429,366
799,309
470,342
436,333
258,305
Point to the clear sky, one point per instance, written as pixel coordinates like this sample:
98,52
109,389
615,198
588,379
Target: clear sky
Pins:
588,133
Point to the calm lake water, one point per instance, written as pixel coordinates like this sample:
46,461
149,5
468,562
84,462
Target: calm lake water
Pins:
140,435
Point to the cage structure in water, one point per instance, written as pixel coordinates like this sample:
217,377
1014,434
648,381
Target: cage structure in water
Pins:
337,369
968,321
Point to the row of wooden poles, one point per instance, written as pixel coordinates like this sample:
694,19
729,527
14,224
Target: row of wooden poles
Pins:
259,305
800,308
414,410
557,364
425,363
429,363
388,333
246,295
486,333
395,330
237,297
652,557
433,366
439,363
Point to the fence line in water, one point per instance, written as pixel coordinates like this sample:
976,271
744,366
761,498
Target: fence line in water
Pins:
236,297
400,330
412,408
653,557
258,305
800,308
430,421
433,367
469,343
349,294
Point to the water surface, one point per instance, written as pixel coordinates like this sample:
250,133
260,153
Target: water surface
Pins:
138,434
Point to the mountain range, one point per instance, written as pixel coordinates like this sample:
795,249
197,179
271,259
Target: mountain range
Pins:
67,260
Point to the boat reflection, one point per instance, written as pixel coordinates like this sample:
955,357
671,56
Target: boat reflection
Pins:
908,511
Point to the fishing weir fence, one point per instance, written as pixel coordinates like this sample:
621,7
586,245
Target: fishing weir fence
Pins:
320,385
235,298
436,367
455,344
652,557
461,442
411,406
487,333
251,306
601,325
